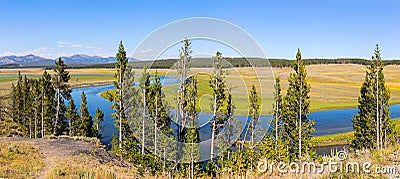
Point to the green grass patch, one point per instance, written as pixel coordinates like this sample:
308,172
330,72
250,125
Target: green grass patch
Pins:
7,79
333,139
396,123
319,106
107,92
344,138
90,78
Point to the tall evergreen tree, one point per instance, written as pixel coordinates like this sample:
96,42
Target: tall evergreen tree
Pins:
217,83
277,116
86,123
73,118
63,92
183,69
131,126
98,119
47,100
145,92
297,127
117,98
158,110
16,100
132,105
254,113
26,106
191,152
372,125
19,96
36,104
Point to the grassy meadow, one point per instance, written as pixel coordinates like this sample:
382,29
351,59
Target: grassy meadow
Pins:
91,77
333,86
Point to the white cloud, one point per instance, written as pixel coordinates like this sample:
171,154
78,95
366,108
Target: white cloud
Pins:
40,50
146,50
7,54
62,43
76,45
68,50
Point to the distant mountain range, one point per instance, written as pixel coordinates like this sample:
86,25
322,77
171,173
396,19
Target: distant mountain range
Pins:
36,61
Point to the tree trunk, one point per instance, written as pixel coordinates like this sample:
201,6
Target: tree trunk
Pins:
144,117
57,111
30,127
300,107
213,125
36,122
42,113
377,111
120,110
276,126
70,126
155,127
381,125
252,128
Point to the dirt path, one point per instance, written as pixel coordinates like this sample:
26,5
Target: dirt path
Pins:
54,150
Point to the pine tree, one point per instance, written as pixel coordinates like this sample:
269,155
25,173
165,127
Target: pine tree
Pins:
158,111
21,105
232,130
238,162
73,118
191,151
254,113
26,106
277,108
47,100
274,150
145,89
86,123
372,125
16,100
98,119
217,83
131,127
183,69
297,127
117,98
278,122
63,92
36,103
267,147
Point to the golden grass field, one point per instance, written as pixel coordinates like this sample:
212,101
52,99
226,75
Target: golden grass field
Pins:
76,81
333,86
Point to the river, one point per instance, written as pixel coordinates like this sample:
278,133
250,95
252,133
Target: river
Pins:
326,121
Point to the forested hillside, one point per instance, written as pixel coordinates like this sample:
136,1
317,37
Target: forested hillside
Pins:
243,62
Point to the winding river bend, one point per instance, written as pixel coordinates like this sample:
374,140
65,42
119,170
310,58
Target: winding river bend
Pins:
326,121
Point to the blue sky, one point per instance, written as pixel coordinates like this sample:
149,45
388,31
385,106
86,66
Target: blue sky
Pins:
53,28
